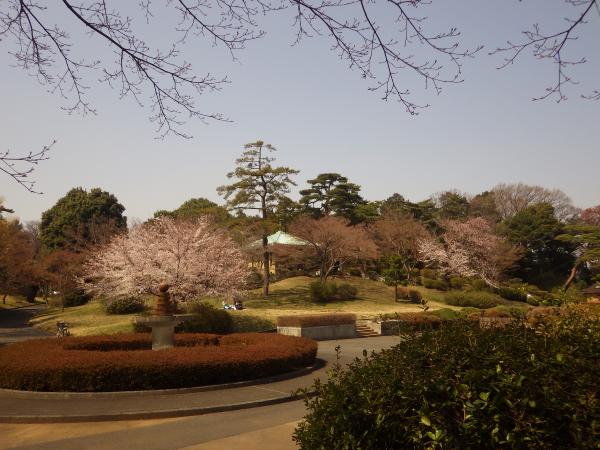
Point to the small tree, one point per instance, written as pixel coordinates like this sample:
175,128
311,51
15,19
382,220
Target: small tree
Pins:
397,235
333,242
586,239
194,258
260,187
469,249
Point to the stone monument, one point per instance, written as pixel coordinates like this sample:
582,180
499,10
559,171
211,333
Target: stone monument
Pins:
163,321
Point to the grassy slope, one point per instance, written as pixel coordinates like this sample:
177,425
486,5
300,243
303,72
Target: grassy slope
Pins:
13,302
288,296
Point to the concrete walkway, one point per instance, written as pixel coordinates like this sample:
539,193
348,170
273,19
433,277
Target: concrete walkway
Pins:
19,408
14,324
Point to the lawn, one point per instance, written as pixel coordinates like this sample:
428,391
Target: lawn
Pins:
289,296
14,302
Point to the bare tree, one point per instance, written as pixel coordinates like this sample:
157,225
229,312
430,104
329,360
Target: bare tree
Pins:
20,167
357,30
512,198
333,243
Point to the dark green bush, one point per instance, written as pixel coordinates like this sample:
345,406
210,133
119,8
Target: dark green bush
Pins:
428,273
476,299
124,305
315,320
326,291
76,297
206,319
465,387
510,293
457,282
430,283
414,296
478,285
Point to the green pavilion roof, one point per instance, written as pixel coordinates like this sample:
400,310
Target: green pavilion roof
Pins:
281,238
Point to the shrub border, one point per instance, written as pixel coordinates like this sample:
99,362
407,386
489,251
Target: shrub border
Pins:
261,359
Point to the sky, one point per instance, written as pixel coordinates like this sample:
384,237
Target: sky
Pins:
321,117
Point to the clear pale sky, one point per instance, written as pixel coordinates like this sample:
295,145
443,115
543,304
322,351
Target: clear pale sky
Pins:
321,117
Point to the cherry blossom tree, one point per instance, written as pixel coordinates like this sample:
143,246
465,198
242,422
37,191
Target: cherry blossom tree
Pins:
591,216
194,258
469,249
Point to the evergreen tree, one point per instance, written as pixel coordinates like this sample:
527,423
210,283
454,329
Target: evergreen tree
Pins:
259,187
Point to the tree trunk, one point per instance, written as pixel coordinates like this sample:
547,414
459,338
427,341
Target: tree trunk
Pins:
266,261
4,299
572,275
396,291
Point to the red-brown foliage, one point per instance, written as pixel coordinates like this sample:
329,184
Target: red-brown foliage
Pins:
126,362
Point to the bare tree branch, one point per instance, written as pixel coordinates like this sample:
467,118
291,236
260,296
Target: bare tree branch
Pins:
552,46
20,167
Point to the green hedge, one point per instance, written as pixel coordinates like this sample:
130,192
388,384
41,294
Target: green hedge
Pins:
327,291
126,362
475,299
124,305
466,387
430,283
315,320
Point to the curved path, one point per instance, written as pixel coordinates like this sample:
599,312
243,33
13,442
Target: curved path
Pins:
23,408
14,324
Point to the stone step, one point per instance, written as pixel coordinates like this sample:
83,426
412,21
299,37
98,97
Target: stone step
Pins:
365,331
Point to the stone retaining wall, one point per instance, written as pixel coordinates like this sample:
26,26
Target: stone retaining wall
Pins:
321,333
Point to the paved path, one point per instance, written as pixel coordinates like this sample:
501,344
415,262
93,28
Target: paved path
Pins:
14,324
17,407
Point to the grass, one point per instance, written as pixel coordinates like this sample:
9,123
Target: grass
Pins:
287,297
85,320
14,302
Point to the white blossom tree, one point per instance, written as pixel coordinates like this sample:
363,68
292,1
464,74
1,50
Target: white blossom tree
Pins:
469,249
194,258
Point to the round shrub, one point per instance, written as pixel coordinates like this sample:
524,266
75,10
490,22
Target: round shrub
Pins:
326,291
414,296
510,293
124,305
430,283
126,362
457,283
206,319
475,299
76,297
465,387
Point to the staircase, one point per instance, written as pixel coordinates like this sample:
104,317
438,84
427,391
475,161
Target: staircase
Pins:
363,331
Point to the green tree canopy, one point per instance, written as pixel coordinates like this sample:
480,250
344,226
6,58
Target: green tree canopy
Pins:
535,229
197,207
331,193
452,205
80,218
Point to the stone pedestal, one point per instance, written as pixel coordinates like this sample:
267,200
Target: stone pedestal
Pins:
163,329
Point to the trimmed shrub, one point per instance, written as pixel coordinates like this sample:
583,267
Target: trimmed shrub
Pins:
465,387
478,285
326,291
429,273
510,293
315,320
126,361
124,305
476,299
457,283
247,323
414,296
206,319
76,297
430,283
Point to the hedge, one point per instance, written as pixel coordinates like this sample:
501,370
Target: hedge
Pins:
476,299
466,387
315,320
126,362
